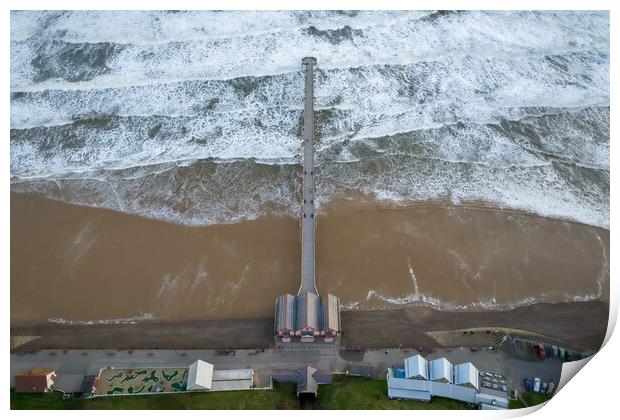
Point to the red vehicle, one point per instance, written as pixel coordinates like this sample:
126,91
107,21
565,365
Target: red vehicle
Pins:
540,350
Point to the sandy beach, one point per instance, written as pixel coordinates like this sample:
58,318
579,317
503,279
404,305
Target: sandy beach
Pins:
74,264
86,277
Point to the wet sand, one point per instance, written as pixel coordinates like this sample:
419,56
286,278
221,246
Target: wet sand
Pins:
466,257
83,264
77,264
579,326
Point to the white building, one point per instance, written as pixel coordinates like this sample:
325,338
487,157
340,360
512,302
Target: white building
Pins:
422,380
200,376
440,370
466,374
232,379
416,367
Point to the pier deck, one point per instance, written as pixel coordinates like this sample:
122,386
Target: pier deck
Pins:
308,216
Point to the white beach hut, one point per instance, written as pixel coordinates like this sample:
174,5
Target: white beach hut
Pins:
466,374
441,370
416,367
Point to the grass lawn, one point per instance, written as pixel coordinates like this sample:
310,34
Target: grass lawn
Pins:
529,399
351,393
282,397
534,398
345,393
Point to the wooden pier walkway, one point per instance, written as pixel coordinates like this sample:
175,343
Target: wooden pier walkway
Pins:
308,216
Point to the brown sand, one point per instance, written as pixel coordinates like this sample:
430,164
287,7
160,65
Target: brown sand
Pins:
380,258
579,325
79,263
84,264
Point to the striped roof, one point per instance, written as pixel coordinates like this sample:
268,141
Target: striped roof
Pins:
308,311
285,313
331,314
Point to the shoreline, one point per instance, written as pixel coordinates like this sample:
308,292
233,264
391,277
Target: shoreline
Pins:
356,200
580,325
350,201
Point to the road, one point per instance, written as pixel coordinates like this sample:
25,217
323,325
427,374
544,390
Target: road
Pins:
73,364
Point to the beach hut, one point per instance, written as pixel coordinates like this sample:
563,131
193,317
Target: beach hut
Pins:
466,374
441,370
416,367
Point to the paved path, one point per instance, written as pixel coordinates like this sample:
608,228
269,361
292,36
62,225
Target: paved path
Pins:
307,219
72,365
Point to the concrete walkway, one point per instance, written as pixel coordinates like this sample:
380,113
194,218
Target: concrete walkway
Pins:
73,364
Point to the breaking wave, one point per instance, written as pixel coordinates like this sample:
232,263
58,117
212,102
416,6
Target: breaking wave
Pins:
195,117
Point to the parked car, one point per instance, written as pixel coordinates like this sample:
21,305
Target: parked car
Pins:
527,383
543,388
536,385
551,387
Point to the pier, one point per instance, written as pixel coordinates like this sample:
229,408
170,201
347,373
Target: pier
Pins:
306,316
307,221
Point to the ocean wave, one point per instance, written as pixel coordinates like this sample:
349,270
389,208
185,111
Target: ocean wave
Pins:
106,81
485,304
161,27
112,142
277,53
117,321
200,124
418,298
